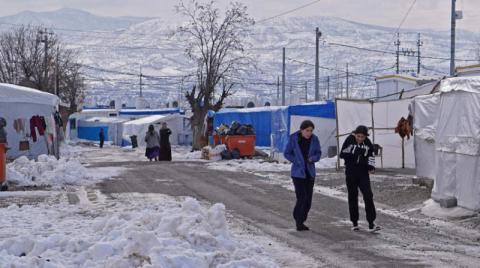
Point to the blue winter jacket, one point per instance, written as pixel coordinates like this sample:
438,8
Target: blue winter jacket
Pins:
293,153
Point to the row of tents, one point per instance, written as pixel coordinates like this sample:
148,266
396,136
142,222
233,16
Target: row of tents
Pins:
445,145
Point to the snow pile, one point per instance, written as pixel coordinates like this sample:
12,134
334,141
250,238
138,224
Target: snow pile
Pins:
434,210
128,234
47,171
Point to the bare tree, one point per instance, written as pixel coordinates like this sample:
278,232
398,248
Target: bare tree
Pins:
216,45
24,61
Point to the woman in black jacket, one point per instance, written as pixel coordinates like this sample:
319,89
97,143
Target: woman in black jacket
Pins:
357,151
165,147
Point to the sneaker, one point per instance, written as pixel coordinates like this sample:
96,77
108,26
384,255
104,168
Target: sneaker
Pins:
355,228
374,228
302,227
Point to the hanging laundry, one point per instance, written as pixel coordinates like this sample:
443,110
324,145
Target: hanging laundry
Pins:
18,125
37,123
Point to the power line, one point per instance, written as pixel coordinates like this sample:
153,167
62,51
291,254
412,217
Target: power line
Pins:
288,12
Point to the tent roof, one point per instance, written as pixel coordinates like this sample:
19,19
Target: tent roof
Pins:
106,119
467,84
150,111
151,119
252,110
13,93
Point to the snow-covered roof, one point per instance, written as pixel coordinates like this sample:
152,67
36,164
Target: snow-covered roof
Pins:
13,93
106,119
253,110
467,84
151,119
149,111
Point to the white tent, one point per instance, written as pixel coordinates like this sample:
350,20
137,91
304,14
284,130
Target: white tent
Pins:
447,138
18,105
139,127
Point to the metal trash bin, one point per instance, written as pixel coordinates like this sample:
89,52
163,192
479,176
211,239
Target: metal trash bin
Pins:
134,141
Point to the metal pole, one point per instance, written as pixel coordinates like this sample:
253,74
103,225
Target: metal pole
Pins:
278,90
452,46
318,34
141,95
397,43
306,92
419,59
348,95
328,87
283,79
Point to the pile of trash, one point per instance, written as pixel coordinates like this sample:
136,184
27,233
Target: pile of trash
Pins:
235,129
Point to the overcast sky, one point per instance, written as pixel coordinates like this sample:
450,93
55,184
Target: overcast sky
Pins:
430,14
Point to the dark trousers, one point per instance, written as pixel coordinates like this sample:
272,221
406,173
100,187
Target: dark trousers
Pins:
304,193
101,143
360,181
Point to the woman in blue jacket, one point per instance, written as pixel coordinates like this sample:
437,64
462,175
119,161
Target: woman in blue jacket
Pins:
303,151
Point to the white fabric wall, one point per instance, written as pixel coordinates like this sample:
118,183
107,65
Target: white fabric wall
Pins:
325,129
140,127
351,113
424,109
12,111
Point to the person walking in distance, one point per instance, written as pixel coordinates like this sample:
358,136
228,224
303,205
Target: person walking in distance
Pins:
357,151
165,147
102,137
152,140
303,151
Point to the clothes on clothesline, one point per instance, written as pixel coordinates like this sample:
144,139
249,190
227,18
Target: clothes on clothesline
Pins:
37,123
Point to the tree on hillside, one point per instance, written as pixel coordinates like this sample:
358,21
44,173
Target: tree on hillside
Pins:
24,61
216,45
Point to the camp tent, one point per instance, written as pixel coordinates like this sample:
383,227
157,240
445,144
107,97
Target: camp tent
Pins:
273,125
71,132
139,113
139,128
20,104
260,118
89,129
447,139
322,114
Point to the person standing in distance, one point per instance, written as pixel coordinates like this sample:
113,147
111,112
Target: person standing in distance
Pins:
357,151
303,151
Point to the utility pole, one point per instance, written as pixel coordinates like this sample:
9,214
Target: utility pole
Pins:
397,43
348,95
141,94
44,39
419,58
283,79
452,46
328,87
56,72
318,34
306,92
278,90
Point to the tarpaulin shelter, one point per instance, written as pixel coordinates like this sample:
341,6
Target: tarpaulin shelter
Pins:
260,118
89,129
139,127
139,113
20,106
447,139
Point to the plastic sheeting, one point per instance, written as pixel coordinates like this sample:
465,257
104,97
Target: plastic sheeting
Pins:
18,102
89,129
450,123
140,126
137,113
383,118
259,118
17,94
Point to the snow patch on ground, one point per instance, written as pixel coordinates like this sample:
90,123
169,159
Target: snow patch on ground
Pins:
434,210
264,166
131,232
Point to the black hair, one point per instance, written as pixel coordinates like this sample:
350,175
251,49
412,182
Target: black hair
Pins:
306,124
151,128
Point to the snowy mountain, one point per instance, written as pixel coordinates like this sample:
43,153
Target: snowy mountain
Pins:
114,49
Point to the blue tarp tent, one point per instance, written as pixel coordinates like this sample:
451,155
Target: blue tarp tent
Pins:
275,124
260,118
322,114
89,129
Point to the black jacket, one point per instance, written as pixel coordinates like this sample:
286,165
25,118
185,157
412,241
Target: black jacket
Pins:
358,157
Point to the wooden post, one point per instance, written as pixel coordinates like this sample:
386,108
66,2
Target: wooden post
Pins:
403,152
